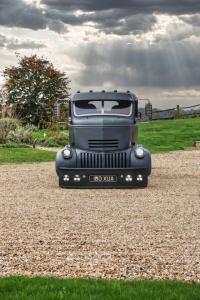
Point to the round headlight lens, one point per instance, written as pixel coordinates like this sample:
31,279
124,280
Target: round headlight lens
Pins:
67,153
139,152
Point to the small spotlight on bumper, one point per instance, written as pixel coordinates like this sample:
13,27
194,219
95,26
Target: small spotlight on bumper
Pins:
140,178
77,178
66,178
129,178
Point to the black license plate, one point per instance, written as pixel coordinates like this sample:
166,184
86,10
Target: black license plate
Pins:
103,178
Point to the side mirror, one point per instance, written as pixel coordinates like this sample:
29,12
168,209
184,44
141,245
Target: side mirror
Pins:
139,117
136,109
69,113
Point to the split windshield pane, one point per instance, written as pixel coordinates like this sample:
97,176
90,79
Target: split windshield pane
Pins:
117,107
98,107
85,107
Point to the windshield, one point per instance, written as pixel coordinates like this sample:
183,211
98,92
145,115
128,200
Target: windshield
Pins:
99,107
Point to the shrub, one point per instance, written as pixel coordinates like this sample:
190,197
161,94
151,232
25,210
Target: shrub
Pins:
58,139
31,127
50,142
7,125
20,136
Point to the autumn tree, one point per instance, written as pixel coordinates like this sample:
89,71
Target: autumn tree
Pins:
33,87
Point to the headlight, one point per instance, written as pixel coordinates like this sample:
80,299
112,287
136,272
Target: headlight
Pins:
139,152
67,153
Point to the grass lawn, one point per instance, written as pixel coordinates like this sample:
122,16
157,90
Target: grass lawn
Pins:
24,155
168,135
18,288
157,136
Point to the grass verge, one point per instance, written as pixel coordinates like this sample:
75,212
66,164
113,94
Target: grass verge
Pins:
169,135
157,136
18,288
22,154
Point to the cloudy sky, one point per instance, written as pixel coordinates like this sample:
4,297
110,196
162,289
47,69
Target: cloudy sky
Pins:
151,47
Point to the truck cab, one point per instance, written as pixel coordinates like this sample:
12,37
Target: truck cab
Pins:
103,150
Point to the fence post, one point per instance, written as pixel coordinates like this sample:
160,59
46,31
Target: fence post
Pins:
178,111
149,110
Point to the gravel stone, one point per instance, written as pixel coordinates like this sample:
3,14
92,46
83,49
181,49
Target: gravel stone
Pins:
125,234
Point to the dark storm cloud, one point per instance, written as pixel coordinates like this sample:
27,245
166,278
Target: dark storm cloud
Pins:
130,25
134,65
136,6
111,16
18,14
119,22
118,17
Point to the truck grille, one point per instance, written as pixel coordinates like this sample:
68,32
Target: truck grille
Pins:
103,160
103,144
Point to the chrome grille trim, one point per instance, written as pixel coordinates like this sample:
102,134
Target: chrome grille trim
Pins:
103,160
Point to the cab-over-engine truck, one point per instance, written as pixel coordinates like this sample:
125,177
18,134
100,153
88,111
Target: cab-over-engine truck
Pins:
103,150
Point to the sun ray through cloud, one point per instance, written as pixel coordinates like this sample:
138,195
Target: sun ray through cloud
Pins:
147,46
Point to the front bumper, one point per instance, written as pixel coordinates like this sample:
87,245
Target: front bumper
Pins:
118,174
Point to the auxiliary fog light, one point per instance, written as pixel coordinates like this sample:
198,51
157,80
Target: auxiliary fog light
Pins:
66,178
140,178
129,178
77,178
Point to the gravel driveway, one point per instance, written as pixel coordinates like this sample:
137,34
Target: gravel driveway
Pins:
149,233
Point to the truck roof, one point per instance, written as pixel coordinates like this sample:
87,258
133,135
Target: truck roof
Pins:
103,96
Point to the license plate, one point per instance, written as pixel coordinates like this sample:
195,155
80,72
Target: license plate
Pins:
103,178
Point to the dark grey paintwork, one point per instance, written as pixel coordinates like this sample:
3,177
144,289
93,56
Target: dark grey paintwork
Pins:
106,138
103,96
